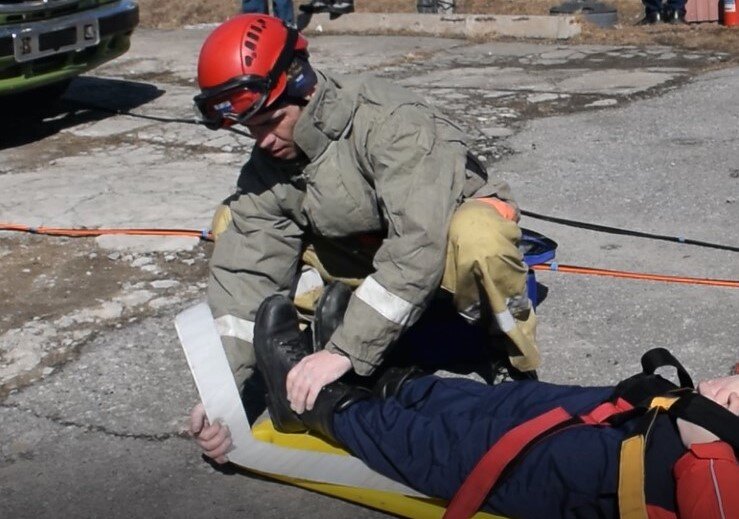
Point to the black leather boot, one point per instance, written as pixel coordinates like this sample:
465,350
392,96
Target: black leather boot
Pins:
517,374
330,310
393,379
279,345
339,7
332,398
674,17
650,18
315,6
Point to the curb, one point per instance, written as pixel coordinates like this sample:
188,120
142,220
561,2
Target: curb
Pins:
448,25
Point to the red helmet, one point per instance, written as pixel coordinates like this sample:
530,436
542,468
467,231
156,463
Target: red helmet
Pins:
243,67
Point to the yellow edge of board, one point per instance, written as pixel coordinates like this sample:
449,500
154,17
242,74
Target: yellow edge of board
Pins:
399,504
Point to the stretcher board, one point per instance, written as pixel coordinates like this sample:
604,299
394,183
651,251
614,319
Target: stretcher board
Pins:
299,459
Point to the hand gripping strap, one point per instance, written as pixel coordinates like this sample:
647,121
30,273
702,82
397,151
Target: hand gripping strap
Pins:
483,477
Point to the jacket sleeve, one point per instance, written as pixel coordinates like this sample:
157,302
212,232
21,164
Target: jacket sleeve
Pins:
707,479
417,166
255,257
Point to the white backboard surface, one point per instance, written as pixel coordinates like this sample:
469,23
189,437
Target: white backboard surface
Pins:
220,397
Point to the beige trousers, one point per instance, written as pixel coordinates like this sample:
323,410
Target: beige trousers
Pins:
486,274
484,270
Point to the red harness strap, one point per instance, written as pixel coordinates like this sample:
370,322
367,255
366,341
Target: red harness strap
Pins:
470,496
606,410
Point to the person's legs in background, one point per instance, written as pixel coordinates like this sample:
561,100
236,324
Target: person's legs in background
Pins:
254,6
674,12
652,12
283,9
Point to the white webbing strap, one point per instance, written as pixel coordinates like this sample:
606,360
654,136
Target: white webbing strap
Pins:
218,392
505,321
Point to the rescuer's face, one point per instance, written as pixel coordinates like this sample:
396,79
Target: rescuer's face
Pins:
274,131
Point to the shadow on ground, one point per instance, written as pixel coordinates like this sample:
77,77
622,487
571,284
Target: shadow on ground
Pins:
32,116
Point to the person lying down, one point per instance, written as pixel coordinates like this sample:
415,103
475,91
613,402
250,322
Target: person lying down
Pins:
521,449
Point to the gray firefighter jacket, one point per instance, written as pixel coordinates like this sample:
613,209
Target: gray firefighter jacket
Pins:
378,159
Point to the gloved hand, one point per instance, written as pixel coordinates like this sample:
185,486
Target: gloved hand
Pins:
221,220
506,210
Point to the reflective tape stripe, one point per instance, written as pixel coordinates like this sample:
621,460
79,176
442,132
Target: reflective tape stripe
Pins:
391,307
506,322
232,326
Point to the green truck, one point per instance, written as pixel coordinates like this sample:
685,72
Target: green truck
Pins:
46,43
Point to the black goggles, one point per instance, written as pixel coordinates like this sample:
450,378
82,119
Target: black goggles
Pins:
213,105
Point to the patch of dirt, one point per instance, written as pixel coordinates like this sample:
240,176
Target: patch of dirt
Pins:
704,36
81,275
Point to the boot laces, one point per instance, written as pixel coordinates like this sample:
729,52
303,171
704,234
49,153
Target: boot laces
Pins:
294,348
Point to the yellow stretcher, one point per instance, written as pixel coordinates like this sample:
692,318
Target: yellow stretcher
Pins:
392,502
303,460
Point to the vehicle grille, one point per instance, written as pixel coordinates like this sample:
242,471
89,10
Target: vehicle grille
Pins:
36,3
19,11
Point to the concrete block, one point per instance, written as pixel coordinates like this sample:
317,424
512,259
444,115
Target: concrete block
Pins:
448,25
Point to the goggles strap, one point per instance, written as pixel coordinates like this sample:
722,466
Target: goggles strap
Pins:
285,57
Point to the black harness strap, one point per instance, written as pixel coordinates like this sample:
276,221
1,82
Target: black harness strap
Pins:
700,410
657,358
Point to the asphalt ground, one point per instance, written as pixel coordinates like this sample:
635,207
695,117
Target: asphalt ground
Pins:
93,384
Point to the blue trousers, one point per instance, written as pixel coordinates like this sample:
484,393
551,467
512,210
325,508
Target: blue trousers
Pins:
282,9
435,430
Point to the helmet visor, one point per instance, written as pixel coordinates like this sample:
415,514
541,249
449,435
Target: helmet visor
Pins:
232,102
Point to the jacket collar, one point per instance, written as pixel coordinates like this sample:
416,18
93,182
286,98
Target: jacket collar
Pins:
326,117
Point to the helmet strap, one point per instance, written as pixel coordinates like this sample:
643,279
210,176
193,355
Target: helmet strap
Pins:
285,57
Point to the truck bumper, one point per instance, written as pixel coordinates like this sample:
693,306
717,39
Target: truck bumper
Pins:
50,61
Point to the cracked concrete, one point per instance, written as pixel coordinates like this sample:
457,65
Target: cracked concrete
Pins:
93,386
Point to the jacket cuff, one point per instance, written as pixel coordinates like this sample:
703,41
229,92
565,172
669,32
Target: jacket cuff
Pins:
360,366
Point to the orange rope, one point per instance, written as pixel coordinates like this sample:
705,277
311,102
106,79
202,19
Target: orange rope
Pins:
206,235
61,231
573,269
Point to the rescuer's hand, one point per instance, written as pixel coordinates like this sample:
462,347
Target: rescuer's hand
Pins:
221,220
506,210
215,440
309,375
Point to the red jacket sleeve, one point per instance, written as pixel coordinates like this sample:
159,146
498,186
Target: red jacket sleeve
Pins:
707,482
